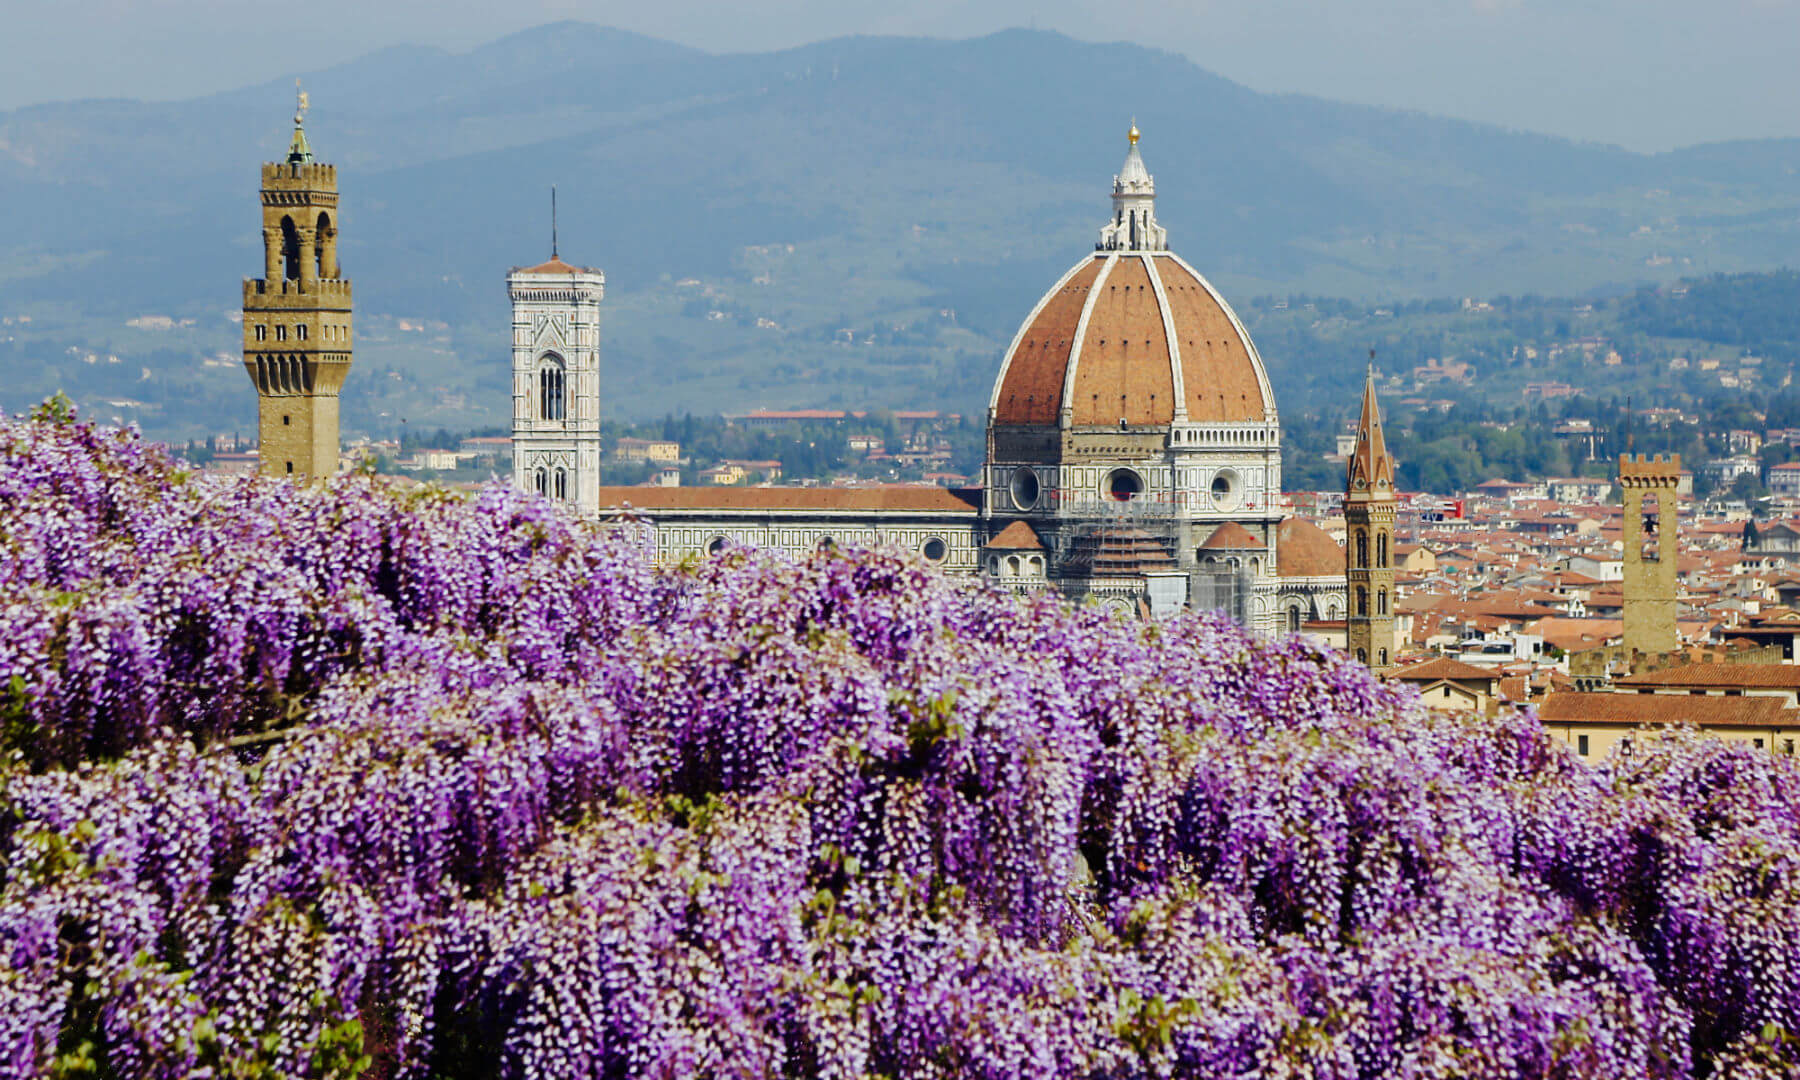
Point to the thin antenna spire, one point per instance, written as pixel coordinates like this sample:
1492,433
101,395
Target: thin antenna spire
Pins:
553,221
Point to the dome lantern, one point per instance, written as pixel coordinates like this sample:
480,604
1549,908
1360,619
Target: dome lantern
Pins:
1133,226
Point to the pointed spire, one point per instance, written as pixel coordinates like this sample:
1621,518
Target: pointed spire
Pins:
1133,226
553,254
299,150
1371,467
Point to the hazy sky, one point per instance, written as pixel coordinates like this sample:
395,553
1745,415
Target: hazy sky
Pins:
1647,74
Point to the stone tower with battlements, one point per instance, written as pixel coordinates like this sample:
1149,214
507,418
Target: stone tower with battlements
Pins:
1649,485
297,334
556,380
1369,506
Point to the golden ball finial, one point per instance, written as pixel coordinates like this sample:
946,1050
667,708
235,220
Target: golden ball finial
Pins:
1133,133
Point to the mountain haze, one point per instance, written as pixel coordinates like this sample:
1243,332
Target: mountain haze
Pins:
920,192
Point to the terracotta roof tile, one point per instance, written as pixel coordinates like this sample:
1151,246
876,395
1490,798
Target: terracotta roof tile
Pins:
1746,676
1232,537
796,499
555,266
1565,707
1018,536
1445,668
1305,550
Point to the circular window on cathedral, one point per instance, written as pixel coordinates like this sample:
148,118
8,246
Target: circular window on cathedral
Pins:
1124,485
716,546
1224,489
1024,488
935,550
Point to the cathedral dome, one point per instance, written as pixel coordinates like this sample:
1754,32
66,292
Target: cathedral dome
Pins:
1132,335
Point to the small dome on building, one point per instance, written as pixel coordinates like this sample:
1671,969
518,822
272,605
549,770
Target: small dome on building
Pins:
1307,550
1232,537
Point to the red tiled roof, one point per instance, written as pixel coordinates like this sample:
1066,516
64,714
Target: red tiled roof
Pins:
796,499
1744,676
1305,550
1017,537
1564,707
555,266
1445,668
1231,537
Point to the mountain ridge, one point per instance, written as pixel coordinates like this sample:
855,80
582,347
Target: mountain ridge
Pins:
934,187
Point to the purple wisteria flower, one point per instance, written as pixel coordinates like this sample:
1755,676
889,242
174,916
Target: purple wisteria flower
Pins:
337,781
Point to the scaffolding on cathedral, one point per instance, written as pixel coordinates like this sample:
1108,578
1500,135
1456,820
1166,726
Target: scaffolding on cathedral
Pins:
1132,538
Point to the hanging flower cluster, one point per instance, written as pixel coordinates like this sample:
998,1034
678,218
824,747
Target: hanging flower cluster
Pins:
341,782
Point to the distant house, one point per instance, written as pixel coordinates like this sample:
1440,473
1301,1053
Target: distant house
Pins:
1785,479
1578,489
1452,686
656,451
1595,723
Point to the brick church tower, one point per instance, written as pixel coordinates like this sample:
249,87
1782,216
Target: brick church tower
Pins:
1369,505
297,315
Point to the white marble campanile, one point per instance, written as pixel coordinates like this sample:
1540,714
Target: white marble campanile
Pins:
556,380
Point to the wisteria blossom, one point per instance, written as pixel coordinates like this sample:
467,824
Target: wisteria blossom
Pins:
338,781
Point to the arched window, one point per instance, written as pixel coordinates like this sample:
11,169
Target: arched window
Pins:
1381,602
1362,600
1362,549
562,484
290,249
325,247
552,404
541,481
1293,620
1382,653
1362,656
1381,550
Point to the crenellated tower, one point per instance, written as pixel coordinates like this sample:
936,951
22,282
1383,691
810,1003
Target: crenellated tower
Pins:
1650,486
297,336
1369,506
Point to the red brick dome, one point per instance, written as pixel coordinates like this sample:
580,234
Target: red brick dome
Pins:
1137,336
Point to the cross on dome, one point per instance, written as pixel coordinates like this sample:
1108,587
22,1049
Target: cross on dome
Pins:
1133,226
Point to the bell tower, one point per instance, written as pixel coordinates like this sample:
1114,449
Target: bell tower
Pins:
297,315
556,377
1369,506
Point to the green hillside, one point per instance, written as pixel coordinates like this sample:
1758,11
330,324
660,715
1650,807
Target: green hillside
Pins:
859,221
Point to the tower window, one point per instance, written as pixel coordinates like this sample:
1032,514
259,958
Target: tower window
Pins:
1381,554
300,331
290,249
287,421
562,484
1382,654
1362,551
552,402
541,482
1381,602
281,333
262,332
290,468
1362,601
